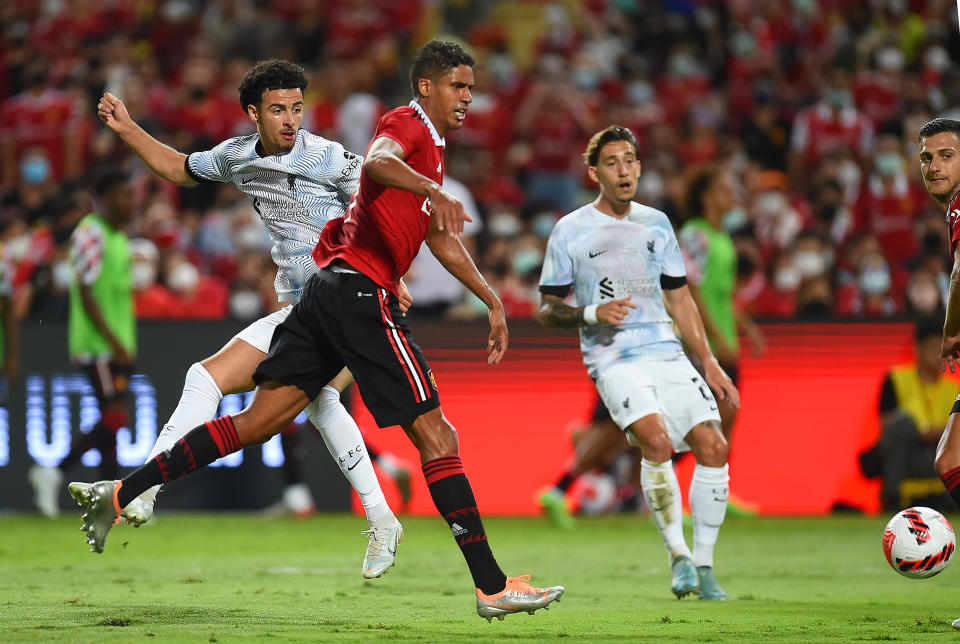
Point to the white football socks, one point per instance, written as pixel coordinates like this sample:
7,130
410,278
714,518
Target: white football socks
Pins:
662,493
709,489
198,404
343,439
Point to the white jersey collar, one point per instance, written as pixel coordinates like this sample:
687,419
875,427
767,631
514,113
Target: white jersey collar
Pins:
441,142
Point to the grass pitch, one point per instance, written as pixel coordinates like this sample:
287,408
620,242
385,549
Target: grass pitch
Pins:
224,578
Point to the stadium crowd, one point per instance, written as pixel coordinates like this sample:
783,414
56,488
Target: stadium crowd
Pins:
813,106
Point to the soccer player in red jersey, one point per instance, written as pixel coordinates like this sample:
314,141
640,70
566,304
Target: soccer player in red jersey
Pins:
349,315
940,167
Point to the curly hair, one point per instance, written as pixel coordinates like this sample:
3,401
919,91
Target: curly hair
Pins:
607,135
434,59
265,75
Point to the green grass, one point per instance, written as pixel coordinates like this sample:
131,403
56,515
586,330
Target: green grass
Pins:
240,577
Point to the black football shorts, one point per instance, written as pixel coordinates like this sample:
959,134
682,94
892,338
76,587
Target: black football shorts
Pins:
345,318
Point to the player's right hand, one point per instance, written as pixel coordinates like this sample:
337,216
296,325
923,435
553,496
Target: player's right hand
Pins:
113,112
497,340
950,352
448,213
616,311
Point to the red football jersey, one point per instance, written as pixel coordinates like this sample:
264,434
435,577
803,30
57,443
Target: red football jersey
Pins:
953,220
384,227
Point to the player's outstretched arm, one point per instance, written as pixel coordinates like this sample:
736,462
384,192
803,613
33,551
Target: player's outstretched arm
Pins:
685,313
950,346
385,164
161,158
450,252
554,313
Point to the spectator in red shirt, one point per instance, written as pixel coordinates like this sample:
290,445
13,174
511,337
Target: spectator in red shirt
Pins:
889,204
833,122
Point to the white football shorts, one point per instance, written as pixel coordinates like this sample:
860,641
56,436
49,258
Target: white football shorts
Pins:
260,332
672,388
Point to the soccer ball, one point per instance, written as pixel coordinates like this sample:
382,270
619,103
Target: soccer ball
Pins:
595,493
919,542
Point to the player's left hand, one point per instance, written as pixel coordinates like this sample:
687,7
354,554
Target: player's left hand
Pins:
497,341
950,352
404,297
720,382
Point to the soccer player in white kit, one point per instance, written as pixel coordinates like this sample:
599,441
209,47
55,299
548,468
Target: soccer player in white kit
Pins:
297,181
623,263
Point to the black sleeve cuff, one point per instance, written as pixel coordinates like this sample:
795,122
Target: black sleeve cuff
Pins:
669,282
559,291
193,175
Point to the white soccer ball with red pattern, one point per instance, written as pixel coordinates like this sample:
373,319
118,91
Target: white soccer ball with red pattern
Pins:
919,542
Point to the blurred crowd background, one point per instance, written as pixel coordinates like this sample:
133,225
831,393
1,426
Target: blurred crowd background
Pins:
809,109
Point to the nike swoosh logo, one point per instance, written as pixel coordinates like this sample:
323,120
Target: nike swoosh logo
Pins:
350,467
594,253
392,551
245,181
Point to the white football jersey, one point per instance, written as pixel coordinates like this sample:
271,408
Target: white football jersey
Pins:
604,258
295,194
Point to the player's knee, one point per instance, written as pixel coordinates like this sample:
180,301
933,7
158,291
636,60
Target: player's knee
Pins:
656,447
433,436
945,461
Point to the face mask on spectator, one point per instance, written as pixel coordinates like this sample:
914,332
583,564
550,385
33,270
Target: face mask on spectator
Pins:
35,169
525,260
937,59
787,278
771,204
681,65
810,263
17,248
640,92
144,275
504,224
924,297
542,224
245,305
875,280
184,277
888,164
62,275
838,98
734,219
586,78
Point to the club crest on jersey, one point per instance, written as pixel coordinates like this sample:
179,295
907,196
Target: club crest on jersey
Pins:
290,179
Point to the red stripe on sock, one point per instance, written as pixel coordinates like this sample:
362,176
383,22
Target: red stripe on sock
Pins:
231,431
453,516
445,461
951,479
221,434
441,468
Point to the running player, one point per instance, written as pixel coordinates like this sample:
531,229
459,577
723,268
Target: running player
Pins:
349,314
297,182
623,263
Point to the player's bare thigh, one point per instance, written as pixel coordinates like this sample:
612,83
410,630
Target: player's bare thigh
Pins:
708,444
232,368
948,449
650,432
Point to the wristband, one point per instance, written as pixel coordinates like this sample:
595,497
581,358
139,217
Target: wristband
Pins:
590,313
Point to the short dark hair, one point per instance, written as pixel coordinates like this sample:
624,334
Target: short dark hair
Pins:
927,326
265,75
106,179
434,59
939,126
608,135
698,184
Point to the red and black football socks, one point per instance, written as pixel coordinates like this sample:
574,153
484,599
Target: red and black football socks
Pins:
201,446
454,499
951,481
566,480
